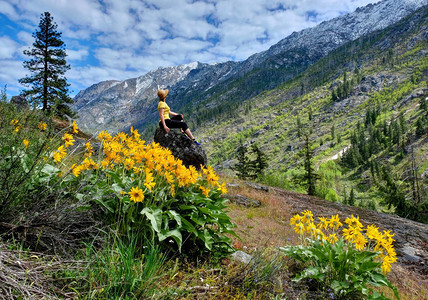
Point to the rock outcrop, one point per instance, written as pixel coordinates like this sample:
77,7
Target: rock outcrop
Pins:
20,102
181,147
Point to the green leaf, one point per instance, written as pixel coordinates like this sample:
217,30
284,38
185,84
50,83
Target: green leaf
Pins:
187,207
188,226
104,204
175,234
174,215
208,239
155,217
50,170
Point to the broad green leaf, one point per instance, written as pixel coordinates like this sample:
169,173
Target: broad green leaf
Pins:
176,216
155,217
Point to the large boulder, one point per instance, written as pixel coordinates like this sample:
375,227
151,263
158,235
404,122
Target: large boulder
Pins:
20,102
181,147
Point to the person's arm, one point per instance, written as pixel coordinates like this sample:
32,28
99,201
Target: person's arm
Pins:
175,114
165,128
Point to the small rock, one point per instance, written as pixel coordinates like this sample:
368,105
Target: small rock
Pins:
244,201
241,256
258,187
409,253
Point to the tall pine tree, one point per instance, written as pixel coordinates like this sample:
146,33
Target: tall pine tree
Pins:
49,87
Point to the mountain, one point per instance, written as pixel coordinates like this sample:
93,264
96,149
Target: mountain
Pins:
364,108
205,91
112,104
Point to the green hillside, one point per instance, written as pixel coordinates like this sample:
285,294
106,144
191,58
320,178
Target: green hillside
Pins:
384,72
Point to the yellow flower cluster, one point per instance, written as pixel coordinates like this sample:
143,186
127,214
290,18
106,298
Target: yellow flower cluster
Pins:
42,126
15,123
68,139
149,165
327,229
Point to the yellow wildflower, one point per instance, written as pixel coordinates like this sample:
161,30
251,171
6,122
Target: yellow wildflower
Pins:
136,194
296,220
299,228
308,217
135,133
334,222
75,128
149,183
104,135
88,163
42,126
172,189
26,143
311,229
68,139
359,241
223,188
129,163
59,154
105,163
350,233
332,238
76,170
354,222
169,178
89,149
386,264
204,190
372,232
14,122
323,224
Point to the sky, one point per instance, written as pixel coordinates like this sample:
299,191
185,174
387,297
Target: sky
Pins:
122,39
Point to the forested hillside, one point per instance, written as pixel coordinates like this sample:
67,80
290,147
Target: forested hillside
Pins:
363,108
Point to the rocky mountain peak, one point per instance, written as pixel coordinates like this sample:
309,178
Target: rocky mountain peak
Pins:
110,104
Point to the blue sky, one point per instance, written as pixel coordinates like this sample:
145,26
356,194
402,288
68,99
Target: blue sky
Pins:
122,39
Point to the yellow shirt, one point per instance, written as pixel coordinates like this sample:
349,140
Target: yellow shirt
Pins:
162,104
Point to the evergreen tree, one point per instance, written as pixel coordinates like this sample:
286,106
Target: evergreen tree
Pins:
299,127
241,167
310,177
247,168
420,126
259,164
351,200
49,88
423,104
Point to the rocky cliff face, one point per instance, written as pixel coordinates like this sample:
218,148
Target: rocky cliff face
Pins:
115,105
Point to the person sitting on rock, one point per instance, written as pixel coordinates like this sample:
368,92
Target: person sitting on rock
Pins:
176,121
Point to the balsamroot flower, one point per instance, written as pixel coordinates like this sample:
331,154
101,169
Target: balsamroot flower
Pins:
26,143
75,129
205,191
136,194
42,126
59,154
68,140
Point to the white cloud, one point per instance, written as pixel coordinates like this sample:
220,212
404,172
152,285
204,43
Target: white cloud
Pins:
77,54
8,47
